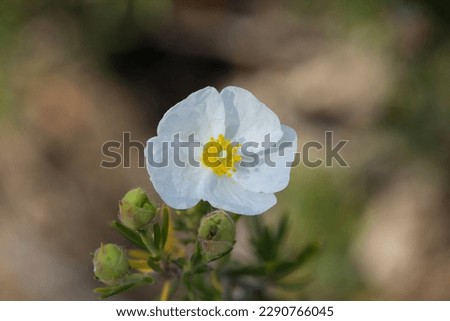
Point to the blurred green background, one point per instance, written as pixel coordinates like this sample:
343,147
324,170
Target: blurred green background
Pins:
75,74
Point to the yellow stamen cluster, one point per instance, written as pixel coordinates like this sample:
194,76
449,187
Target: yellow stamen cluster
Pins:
221,156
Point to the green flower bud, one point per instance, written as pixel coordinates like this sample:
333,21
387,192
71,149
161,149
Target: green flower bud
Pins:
136,210
216,235
110,263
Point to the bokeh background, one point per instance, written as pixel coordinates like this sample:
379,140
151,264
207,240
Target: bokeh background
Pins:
77,73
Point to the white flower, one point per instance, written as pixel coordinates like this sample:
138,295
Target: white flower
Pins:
222,125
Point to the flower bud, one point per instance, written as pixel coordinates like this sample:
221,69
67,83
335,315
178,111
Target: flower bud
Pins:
216,235
136,210
110,263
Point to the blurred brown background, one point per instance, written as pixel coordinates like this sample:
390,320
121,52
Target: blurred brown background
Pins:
77,73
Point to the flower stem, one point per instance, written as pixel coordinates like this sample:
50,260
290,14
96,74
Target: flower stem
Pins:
165,291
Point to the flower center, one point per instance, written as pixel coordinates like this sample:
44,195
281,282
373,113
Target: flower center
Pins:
220,155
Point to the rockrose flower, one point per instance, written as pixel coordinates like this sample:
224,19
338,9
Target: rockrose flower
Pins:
226,148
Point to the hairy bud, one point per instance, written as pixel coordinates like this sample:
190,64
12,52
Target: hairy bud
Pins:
136,210
110,263
216,235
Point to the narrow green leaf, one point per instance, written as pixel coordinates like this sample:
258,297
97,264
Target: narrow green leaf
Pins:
282,228
148,240
139,278
268,247
196,257
156,235
107,292
128,233
262,240
164,226
284,268
130,281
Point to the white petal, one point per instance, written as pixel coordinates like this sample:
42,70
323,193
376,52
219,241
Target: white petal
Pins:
201,113
248,119
272,173
179,187
227,194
